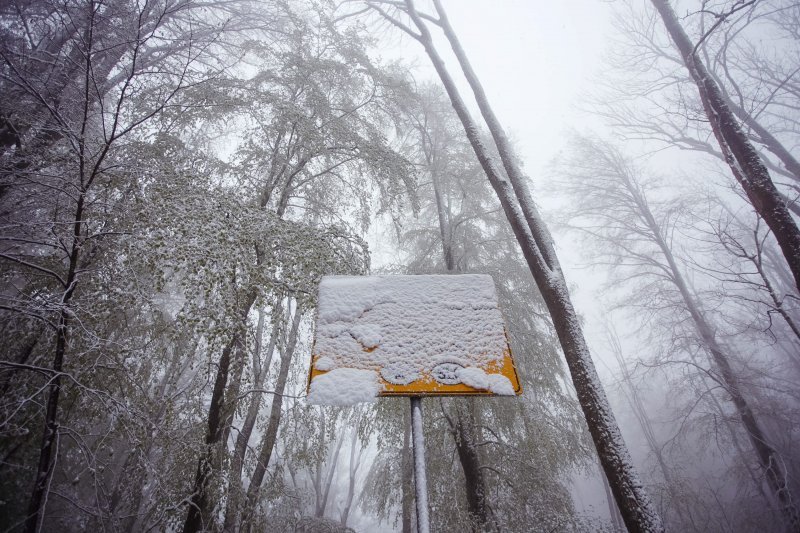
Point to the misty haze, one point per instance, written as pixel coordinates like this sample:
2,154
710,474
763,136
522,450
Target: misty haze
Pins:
236,236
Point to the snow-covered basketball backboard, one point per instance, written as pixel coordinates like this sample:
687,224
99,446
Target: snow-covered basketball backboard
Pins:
409,336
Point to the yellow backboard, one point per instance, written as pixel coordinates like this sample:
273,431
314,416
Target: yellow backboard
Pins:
409,336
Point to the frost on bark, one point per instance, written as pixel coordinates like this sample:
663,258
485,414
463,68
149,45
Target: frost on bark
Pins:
534,239
737,150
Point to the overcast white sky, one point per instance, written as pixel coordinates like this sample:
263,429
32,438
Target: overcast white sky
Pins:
534,59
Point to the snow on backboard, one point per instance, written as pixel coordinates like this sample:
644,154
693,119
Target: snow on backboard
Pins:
409,336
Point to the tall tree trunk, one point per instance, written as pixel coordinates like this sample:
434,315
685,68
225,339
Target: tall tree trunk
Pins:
270,436
234,386
47,448
445,231
743,455
740,154
200,504
767,456
475,483
536,244
216,432
463,431
87,172
232,509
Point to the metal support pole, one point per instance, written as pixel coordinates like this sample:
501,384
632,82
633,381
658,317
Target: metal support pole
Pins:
420,479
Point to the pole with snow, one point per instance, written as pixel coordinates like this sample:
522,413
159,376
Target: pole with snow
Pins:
420,476
416,336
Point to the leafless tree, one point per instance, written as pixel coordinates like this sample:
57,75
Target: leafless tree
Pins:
650,97
616,206
736,127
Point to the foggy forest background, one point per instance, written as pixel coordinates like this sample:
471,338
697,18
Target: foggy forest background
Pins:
177,175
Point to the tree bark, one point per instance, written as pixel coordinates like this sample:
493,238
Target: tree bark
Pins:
463,431
200,504
740,155
536,244
769,141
